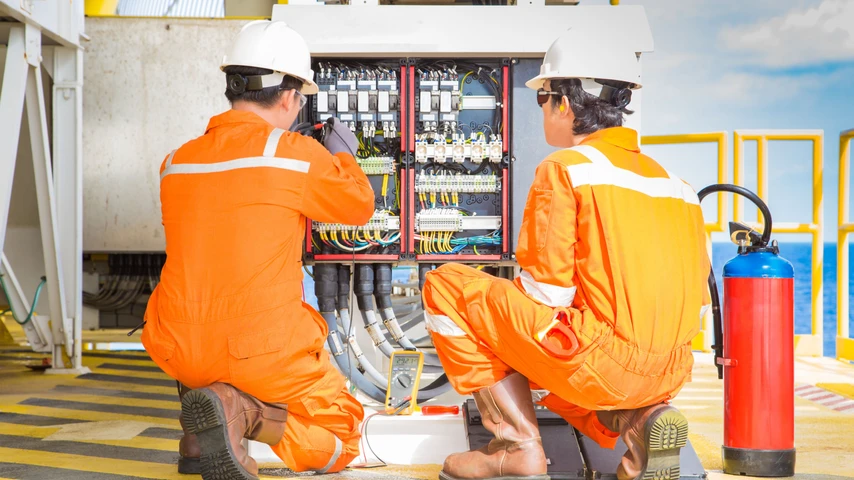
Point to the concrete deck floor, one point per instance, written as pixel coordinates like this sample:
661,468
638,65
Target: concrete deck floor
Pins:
120,421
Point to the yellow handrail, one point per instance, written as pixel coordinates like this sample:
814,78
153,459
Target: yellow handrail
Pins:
844,345
703,341
711,137
804,344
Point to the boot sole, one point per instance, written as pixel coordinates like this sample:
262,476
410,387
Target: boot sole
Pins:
666,434
189,466
204,416
445,476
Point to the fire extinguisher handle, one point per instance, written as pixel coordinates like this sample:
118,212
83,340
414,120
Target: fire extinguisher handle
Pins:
727,362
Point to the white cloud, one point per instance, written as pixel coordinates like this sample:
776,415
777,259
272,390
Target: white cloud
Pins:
801,37
757,89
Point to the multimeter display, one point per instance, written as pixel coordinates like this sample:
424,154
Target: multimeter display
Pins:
406,361
403,378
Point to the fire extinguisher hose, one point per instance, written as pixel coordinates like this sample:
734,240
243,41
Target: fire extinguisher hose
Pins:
718,347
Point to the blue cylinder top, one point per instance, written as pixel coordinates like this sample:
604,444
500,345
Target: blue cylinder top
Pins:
759,265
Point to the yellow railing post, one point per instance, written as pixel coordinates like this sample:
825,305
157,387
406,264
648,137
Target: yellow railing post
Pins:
703,340
844,344
804,344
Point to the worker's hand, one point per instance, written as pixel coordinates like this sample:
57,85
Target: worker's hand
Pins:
340,139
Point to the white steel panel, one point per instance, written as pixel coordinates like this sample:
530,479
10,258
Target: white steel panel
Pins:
61,21
410,30
60,325
68,167
11,112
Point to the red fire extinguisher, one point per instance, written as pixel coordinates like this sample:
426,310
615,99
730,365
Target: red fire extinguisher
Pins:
754,350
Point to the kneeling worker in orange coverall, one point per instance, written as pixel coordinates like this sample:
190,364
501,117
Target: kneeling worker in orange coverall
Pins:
227,319
614,266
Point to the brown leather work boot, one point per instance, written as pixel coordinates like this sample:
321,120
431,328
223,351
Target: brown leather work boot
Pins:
654,435
188,446
516,453
222,416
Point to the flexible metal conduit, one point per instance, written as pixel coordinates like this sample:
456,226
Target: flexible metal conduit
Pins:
382,293
344,316
326,289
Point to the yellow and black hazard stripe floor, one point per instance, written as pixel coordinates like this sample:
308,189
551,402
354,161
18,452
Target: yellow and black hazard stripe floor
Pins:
120,421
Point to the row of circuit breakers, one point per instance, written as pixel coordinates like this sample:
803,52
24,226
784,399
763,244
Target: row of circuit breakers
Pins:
433,140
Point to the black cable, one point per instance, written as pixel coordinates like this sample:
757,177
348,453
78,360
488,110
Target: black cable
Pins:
368,441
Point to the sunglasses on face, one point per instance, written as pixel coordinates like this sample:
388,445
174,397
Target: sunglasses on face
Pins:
302,99
543,96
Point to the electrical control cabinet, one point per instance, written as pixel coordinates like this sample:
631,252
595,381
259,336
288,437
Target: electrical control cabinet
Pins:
460,167
366,96
433,141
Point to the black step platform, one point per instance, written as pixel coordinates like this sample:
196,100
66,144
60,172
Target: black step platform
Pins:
570,455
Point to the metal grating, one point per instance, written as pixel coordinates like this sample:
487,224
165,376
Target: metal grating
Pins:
172,8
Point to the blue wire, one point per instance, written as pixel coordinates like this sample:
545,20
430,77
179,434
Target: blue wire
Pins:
32,308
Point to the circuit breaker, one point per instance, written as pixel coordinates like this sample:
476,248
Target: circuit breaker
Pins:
433,141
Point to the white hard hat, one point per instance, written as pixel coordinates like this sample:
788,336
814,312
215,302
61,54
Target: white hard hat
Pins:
586,55
274,46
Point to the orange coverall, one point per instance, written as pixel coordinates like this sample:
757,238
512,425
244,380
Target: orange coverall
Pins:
613,255
229,304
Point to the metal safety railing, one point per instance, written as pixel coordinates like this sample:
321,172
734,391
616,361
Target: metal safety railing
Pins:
705,337
810,344
844,344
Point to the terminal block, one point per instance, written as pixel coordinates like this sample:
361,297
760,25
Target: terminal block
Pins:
377,165
430,183
439,220
453,220
458,150
381,221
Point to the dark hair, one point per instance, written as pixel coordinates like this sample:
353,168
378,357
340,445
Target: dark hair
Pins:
591,112
266,97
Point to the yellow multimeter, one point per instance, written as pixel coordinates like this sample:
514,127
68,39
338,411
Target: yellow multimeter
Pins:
404,374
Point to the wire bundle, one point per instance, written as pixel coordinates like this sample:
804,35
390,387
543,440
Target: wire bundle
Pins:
358,241
129,277
445,243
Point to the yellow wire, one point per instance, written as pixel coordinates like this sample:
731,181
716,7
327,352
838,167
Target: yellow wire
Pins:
385,184
463,81
396,190
475,250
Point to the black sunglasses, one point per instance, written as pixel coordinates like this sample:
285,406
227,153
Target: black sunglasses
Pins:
543,96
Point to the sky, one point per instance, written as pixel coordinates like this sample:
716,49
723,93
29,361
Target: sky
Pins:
727,65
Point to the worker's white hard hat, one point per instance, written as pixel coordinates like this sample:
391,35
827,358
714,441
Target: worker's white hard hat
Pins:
274,46
586,55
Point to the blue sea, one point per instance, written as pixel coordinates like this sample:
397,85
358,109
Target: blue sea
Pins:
799,254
